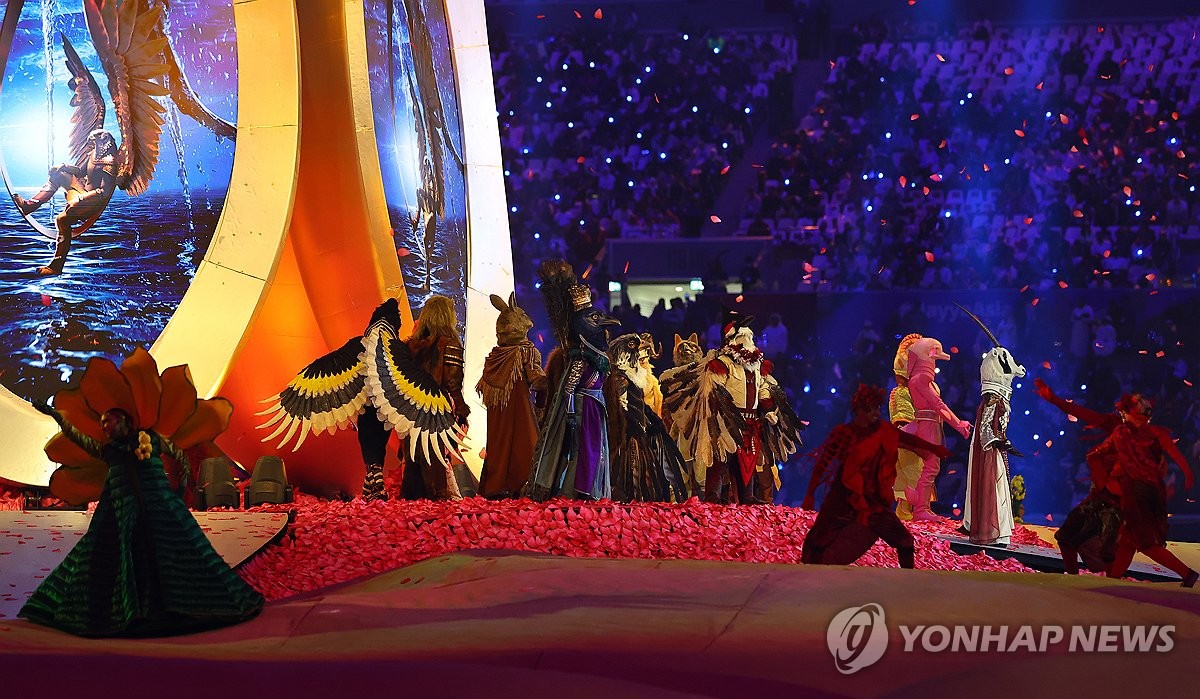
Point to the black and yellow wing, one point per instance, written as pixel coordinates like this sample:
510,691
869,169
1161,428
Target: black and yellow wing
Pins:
781,439
705,423
408,399
327,396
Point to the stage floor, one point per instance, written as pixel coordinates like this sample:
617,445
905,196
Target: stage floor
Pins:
499,624
33,543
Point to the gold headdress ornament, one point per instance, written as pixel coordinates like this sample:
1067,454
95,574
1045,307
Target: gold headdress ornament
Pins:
900,363
581,296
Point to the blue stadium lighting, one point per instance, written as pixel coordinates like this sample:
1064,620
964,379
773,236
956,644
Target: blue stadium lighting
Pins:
1007,161
1128,202
1139,160
564,66
539,78
686,37
1061,433
695,109
807,387
662,156
1047,115
716,49
864,177
870,208
570,124
1173,140
563,88
638,81
1137,214
1139,252
888,134
961,102
611,120
1083,387
608,161
787,182
639,134
946,213
507,173
511,113
549,104
746,110
537,285
557,197
1026,412
1036,437
879,175
628,98
629,183
537,236
1054,271
524,151
832,389
970,95
1018,385
582,222
647,69
724,144
512,209
1192,188
591,64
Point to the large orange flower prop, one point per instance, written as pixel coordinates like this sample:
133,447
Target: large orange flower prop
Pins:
166,404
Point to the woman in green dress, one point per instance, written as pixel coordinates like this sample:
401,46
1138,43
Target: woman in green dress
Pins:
144,567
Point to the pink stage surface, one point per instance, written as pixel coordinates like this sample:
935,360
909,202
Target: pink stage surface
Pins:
33,543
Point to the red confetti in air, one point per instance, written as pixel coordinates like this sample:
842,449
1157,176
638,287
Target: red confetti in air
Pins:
957,511
809,268
1077,213
46,300
942,144
626,271
936,177
1107,253
1062,119
577,15
1062,285
925,191
1008,70
914,117
1028,220
1128,190
403,252
1049,518
739,298
903,180
987,168
1160,354
725,169
540,338
540,16
1039,85
832,65
1024,288
928,256
1019,133
1045,365
1049,443
1187,383
586,272
954,349
1151,277
598,14
714,218
581,160
940,57
1034,302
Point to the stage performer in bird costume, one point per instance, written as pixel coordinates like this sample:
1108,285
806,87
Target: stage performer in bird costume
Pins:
380,383
857,510
571,458
512,370
686,353
929,412
653,391
1090,530
732,416
1138,453
987,514
646,463
900,412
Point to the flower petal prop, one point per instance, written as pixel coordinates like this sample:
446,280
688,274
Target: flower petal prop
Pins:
333,542
166,405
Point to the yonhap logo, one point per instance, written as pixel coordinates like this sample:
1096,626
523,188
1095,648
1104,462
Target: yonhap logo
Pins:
857,638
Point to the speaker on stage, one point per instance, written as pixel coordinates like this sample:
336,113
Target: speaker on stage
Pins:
268,483
216,488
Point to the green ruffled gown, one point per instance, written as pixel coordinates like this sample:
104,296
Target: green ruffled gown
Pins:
144,567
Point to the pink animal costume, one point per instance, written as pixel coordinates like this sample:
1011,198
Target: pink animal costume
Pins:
930,413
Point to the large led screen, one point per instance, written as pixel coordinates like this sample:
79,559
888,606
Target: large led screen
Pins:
419,132
117,127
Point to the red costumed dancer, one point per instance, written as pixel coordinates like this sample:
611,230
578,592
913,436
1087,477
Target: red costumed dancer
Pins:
1138,452
857,511
1091,528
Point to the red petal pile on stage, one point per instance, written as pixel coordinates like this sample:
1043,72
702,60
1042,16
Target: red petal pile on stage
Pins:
334,542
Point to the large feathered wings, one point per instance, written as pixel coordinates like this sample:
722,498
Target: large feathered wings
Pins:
376,369
130,45
88,103
408,399
782,439
704,421
325,397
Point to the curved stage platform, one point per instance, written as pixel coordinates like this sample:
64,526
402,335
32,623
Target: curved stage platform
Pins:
534,625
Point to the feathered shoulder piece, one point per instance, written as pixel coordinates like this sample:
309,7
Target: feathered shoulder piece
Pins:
556,277
705,422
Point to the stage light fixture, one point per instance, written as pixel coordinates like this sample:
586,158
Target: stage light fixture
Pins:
268,483
216,488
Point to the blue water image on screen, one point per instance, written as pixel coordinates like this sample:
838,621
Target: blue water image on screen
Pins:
419,133
124,276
